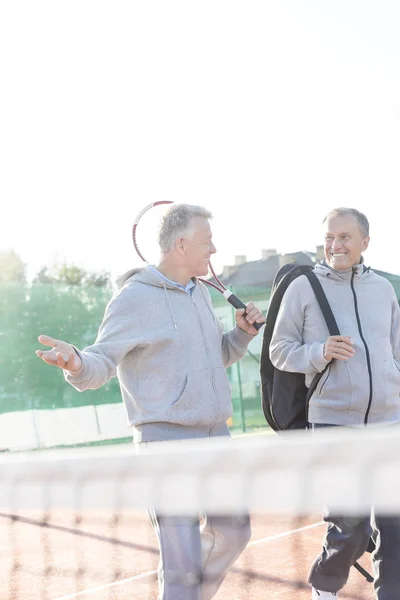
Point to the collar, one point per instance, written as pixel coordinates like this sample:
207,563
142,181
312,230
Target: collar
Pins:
188,288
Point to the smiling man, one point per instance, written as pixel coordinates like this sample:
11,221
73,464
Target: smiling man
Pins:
162,340
346,237
360,387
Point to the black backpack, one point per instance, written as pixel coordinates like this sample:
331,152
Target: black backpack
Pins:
284,395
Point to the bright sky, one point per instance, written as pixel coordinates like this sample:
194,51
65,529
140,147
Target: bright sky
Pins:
269,113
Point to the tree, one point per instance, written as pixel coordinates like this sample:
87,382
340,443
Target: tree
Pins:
43,276
72,275
12,268
98,279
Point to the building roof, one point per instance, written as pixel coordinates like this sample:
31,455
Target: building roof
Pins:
261,273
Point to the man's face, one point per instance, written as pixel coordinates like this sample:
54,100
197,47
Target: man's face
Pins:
199,247
344,242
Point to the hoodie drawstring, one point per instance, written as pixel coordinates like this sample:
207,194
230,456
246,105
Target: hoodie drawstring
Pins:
207,302
170,306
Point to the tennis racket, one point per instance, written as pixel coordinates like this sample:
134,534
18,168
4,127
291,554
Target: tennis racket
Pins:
145,237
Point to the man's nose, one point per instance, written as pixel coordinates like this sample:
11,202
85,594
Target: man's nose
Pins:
213,249
336,244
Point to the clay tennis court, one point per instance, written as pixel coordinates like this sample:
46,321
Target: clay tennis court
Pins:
96,556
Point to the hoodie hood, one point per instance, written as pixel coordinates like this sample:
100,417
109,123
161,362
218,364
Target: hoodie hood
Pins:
148,277
324,270
142,275
122,279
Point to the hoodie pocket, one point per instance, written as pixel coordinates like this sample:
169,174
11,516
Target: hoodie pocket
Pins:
335,390
154,395
392,382
196,405
182,392
223,393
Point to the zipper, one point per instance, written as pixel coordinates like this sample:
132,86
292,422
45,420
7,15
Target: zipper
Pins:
366,349
326,379
210,362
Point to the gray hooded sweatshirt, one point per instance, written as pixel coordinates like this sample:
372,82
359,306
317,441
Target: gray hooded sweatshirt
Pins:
169,352
366,387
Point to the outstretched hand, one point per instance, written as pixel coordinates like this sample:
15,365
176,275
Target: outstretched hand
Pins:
61,355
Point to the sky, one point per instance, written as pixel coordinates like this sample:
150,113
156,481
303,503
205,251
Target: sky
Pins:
269,113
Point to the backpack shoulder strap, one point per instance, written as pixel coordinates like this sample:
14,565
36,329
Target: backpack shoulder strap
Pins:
323,303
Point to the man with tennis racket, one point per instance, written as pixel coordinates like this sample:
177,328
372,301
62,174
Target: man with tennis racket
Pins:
160,336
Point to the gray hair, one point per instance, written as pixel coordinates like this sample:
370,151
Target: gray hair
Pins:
361,218
178,222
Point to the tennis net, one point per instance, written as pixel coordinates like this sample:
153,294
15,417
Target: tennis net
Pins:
74,523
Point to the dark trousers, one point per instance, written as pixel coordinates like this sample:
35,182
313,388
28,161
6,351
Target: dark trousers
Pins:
346,540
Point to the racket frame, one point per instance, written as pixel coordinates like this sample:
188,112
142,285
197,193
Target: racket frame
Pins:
227,294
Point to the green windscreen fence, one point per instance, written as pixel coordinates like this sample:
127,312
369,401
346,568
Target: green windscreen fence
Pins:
73,313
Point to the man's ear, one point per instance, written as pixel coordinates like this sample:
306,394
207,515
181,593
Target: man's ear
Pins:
365,243
180,245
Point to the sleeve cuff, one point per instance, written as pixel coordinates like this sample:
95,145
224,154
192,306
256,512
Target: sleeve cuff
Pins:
317,356
77,376
240,338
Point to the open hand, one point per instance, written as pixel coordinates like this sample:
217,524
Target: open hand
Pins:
61,355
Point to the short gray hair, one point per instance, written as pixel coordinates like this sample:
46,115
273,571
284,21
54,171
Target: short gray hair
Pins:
178,222
361,218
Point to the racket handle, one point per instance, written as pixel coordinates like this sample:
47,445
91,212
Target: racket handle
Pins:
236,303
